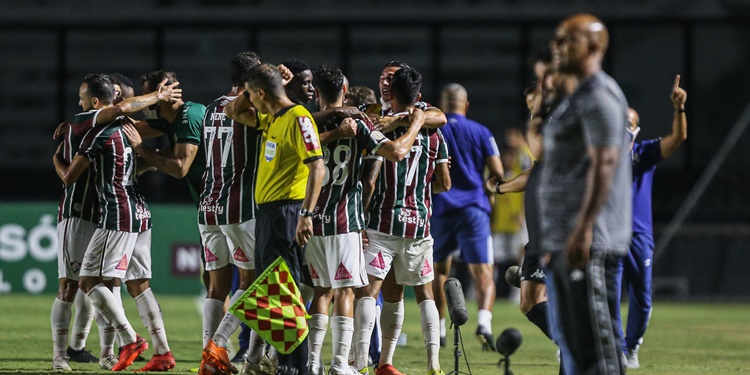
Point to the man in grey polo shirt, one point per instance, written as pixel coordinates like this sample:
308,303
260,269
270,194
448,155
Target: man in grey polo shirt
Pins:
584,200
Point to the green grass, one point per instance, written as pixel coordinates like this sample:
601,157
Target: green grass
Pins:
684,338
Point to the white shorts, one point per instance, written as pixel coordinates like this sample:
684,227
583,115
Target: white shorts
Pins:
230,243
507,247
124,255
337,261
73,237
411,258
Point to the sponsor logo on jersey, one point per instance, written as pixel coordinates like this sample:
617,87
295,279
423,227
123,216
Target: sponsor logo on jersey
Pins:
240,256
538,274
378,262
406,216
426,268
123,265
308,133
342,273
208,205
210,257
141,211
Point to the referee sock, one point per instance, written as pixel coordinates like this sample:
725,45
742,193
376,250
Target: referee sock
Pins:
538,316
82,320
150,312
60,319
364,322
229,323
318,325
391,321
112,312
430,332
213,312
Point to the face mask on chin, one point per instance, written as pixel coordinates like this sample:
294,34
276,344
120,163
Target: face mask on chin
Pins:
150,114
633,133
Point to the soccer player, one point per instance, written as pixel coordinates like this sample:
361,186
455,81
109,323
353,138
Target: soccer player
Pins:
121,245
78,214
399,235
226,214
358,96
182,123
123,87
289,178
461,216
636,266
300,88
585,201
334,253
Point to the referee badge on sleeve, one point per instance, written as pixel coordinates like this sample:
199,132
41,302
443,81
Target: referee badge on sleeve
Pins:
270,150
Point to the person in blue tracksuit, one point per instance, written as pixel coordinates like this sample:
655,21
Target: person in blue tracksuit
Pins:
635,268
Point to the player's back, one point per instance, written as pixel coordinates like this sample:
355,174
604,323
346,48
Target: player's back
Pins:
79,198
231,162
123,207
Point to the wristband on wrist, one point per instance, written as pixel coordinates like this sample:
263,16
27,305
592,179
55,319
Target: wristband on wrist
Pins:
497,188
680,110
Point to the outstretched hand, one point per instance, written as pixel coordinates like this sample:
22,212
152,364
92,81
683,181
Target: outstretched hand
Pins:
168,93
679,95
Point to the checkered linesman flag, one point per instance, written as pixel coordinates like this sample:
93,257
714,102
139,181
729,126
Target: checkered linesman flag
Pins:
273,307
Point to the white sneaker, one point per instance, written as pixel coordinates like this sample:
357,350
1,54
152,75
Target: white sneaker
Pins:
632,358
343,370
316,368
61,363
108,361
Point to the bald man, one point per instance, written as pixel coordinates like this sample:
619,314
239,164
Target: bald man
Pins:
585,205
461,216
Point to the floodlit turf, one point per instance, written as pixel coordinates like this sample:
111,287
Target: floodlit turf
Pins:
705,338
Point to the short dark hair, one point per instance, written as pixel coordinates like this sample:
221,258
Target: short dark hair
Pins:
121,80
359,95
100,86
405,85
329,81
296,66
397,64
241,65
155,78
268,78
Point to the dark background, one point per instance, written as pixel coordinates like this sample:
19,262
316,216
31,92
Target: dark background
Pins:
47,47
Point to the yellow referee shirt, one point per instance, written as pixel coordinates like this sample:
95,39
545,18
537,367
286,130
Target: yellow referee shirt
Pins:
290,139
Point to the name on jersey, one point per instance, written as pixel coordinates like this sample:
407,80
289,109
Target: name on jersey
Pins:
407,217
218,116
308,133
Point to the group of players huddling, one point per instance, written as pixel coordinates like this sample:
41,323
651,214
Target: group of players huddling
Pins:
344,195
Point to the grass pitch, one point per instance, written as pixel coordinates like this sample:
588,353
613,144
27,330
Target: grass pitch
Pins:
683,338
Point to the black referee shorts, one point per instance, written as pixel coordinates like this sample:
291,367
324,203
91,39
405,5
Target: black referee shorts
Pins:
275,228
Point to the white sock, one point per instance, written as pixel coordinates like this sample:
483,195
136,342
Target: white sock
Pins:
255,350
213,312
112,312
484,317
60,320
82,320
391,321
443,330
364,321
152,319
430,332
318,325
116,291
229,323
342,330
106,336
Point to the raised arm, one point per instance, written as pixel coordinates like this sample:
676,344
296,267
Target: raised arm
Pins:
672,141
163,93
397,149
241,110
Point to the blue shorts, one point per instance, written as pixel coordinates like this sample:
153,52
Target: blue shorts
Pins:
467,229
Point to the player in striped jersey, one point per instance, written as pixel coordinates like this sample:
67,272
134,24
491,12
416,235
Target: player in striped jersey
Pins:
226,214
121,245
398,232
334,253
78,212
